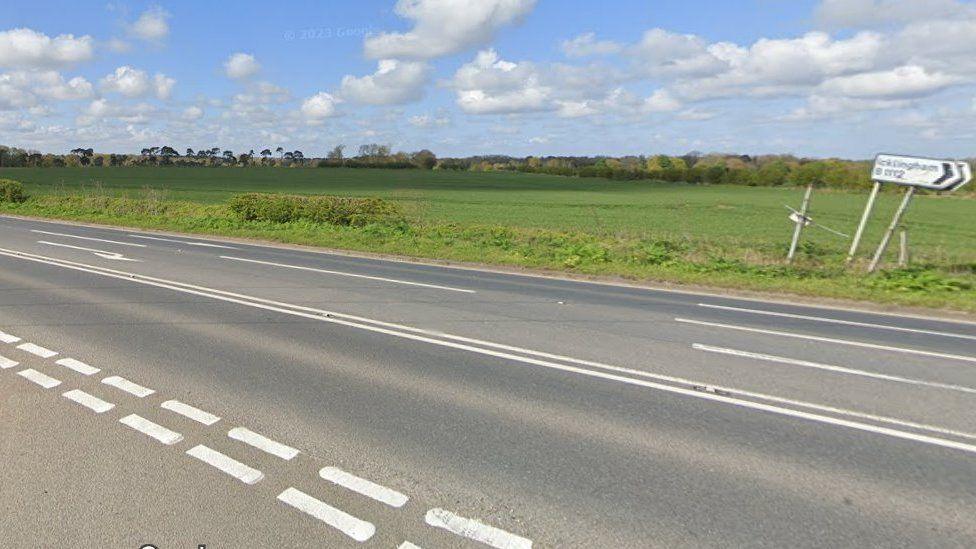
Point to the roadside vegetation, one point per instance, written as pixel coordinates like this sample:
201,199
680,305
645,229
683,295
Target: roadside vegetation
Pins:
716,235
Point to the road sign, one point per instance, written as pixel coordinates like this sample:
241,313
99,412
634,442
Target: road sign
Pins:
924,173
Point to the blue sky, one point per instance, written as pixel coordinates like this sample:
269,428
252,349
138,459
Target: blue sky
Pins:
815,78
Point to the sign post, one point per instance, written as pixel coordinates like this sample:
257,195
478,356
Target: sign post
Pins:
801,221
864,221
891,229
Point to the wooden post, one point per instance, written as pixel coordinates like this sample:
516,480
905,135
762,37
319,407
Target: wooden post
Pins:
895,221
800,223
864,221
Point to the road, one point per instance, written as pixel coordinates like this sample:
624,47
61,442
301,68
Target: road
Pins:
176,391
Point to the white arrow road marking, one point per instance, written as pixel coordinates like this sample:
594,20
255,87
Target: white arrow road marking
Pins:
100,253
7,363
234,468
263,443
78,366
408,545
472,529
362,486
188,411
357,529
152,430
90,238
37,350
43,380
91,402
188,243
8,338
125,385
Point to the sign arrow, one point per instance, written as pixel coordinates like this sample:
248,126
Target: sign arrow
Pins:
923,173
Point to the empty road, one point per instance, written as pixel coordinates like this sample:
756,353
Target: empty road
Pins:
179,391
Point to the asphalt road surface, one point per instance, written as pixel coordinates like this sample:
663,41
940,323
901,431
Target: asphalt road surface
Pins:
178,391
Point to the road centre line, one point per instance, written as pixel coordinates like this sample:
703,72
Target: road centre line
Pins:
125,385
91,402
152,430
7,363
188,243
37,350
358,529
365,487
78,366
353,275
8,338
43,380
838,321
90,238
262,443
188,411
260,303
828,340
234,468
830,368
474,530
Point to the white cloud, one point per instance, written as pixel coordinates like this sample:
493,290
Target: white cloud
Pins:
191,114
661,52
873,13
163,85
317,108
906,82
151,26
52,85
26,48
393,83
443,27
102,109
489,85
819,107
586,45
428,121
241,65
661,101
132,82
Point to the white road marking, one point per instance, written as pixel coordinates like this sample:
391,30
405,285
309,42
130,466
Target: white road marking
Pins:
477,531
37,350
7,363
234,468
357,529
8,338
829,340
408,545
262,442
90,238
188,243
150,429
186,410
365,487
414,334
353,275
43,380
100,253
91,402
125,385
838,321
830,368
78,366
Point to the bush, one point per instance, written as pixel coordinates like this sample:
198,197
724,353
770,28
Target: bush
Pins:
12,191
334,210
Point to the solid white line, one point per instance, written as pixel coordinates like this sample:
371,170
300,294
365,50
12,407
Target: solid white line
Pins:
91,402
125,385
90,238
365,487
234,468
8,338
37,350
472,529
43,380
205,244
829,340
838,321
153,430
413,334
830,368
186,410
357,529
340,273
78,366
7,363
262,443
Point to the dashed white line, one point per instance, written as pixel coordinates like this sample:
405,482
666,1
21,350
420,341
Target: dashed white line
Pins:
829,340
262,442
365,487
125,385
150,429
477,531
7,363
186,410
204,244
357,529
8,338
90,238
352,275
37,350
77,366
234,468
43,380
91,402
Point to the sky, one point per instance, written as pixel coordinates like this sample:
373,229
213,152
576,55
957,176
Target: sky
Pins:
844,78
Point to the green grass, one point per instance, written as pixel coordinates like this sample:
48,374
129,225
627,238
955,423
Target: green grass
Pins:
714,235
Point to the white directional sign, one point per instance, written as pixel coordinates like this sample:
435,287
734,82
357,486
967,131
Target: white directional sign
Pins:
925,173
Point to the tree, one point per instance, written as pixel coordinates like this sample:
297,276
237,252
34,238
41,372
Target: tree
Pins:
229,156
280,151
336,153
189,151
298,156
424,159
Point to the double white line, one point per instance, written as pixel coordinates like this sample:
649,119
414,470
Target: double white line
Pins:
607,372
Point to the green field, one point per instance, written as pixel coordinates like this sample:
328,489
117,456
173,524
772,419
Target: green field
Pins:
719,235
